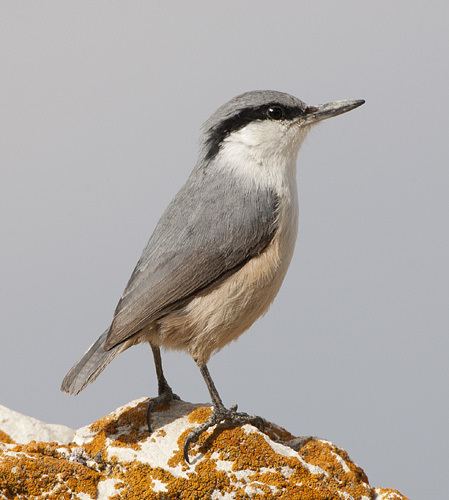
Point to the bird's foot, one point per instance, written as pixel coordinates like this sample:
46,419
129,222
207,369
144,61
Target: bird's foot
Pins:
165,397
229,418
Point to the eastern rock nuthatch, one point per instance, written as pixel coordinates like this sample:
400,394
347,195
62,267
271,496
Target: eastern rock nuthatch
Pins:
220,251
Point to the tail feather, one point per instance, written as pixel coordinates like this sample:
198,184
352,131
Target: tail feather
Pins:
87,369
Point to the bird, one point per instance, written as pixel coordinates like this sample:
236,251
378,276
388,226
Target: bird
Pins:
220,251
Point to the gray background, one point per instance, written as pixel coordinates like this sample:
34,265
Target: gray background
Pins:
100,106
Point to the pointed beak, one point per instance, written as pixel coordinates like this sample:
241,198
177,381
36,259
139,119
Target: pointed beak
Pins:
330,109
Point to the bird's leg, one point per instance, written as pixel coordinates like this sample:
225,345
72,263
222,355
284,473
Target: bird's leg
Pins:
229,417
165,393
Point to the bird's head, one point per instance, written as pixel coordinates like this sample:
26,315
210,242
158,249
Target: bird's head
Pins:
270,125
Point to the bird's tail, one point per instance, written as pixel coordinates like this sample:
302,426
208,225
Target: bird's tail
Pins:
90,365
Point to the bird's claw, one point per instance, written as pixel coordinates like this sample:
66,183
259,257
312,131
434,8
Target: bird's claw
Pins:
230,417
164,397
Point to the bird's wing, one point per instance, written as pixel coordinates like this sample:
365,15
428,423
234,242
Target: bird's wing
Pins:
211,229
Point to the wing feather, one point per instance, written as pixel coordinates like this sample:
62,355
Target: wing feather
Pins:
212,228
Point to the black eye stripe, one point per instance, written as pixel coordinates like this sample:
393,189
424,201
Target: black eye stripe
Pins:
239,120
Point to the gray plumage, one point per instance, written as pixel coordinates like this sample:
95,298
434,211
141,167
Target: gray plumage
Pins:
221,249
211,228
87,369
205,234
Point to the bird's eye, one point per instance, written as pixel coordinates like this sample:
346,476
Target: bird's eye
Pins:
275,113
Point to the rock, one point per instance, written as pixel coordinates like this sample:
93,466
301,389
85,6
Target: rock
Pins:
115,458
22,429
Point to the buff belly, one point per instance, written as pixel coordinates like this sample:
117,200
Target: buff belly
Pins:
223,312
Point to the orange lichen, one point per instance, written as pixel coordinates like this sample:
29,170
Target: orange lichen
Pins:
131,427
29,477
200,415
178,456
390,494
48,449
97,445
250,451
125,430
323,454
5,438
139,479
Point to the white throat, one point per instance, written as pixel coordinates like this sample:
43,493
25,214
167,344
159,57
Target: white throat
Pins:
264,155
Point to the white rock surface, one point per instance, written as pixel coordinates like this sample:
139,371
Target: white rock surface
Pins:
23,429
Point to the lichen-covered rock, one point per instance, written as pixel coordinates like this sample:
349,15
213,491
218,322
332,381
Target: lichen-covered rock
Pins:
115,458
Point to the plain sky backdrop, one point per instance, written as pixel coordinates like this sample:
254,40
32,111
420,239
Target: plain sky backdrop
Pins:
100,108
